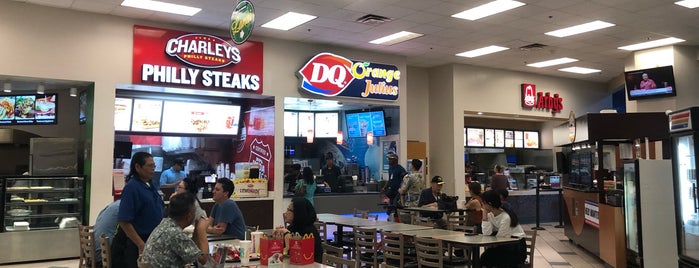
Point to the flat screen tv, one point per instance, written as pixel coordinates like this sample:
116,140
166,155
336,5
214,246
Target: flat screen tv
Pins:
34,109
361,123
650,83
199,118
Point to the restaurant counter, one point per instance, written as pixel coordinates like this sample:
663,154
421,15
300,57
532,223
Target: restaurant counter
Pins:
524,205
250,207
344,203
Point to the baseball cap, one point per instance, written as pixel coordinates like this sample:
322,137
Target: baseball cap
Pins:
329,155
437,180
391,155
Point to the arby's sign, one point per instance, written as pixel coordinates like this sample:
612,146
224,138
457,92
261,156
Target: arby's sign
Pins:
541,100
179,59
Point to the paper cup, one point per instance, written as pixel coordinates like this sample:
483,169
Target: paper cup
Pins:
245,248
255,237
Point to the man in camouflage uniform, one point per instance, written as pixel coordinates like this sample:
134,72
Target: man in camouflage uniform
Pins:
169,246
411,187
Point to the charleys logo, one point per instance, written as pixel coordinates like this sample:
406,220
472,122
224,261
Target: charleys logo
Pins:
205,51
326,74
242,21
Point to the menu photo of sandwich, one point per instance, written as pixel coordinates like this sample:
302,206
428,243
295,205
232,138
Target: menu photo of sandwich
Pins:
7,108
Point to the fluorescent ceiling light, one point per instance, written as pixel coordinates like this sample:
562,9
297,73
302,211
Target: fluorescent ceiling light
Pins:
488,9
654,43
582,28
396,38
162,7
551,62
288,21
580,70
688,3
481,51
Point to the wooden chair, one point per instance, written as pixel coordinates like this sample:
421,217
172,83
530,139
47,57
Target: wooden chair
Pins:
530,240
332,250
423,221
106,251
87,246
365,246
406,216
457,222
335,261
321,227
429,252
359,213
393,246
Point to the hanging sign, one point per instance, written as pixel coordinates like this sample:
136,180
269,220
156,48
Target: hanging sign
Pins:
329,75
540,100
164,57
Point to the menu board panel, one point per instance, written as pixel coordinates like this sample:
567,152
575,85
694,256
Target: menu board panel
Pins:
45,109
378,125
306,123
475,137
199,118
499,138
7,109
291,124
24,108
489,137
509,139
146,115
326,125
531,139
122,114
28,109
519,139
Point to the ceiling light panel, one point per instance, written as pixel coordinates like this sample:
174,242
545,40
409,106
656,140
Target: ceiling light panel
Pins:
688,3
553,62
654,43
481,51
396,38
582,28
288,21
162,7
580,70
488,9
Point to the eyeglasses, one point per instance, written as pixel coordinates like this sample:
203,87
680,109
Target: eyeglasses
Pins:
289,210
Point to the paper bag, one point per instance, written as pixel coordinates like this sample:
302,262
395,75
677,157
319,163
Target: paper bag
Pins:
301,249
270,248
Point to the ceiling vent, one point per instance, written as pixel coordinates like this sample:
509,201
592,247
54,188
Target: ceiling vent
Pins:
534,46
373,20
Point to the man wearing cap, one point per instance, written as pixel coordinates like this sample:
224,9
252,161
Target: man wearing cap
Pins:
173,175
395,177
429,198
330,172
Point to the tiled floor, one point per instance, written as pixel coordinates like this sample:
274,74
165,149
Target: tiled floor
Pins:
553,250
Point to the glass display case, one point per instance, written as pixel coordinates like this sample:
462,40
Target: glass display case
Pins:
42,203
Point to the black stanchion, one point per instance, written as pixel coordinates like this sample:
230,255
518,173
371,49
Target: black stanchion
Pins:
538,227
560,209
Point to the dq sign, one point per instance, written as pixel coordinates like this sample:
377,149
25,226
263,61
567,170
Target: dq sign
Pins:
540,100
330,75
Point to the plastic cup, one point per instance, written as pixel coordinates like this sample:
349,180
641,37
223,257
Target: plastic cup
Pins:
245,248
255,237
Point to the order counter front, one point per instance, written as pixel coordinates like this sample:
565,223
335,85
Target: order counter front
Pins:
581,218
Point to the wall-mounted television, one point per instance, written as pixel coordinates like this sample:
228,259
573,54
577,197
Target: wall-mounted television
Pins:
650,83
361,123
32,109
200,118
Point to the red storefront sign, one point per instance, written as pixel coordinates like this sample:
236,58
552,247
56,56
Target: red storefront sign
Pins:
164,57
540,100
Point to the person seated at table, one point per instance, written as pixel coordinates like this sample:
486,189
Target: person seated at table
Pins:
504,193
299,218
169,246
187,185
475,206
504,223
429,198
226,217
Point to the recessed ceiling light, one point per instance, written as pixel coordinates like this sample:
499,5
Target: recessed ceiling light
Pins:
688,3
288,21
481,51
396,38
654,43
580,70
548,63
488,9
162,7
582,28
480,113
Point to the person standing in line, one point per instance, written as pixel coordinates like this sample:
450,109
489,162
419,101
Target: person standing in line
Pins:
173,175
106,223
141,208
309,181
499,180
504,223
291,178
330,172
226,217
429,198
412,185
395,178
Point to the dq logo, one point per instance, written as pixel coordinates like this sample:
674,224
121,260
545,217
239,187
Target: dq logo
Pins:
528,95
326,74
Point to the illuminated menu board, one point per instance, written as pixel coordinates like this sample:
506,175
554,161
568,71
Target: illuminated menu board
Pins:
122,114
291,124
326,125
475,137
500,138
199,118
306,123
509,139
489,137
146,115
28,109
359,124
531,139
519,139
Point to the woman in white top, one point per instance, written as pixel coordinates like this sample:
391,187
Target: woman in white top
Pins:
501,223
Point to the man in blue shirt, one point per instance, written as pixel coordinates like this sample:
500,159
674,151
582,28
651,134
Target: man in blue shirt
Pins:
395,177
106,223
173,175
226,218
